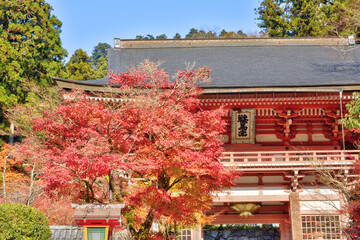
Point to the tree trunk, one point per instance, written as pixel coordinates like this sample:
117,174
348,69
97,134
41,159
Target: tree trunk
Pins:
11,140
144,231
3,177
31,185
110,187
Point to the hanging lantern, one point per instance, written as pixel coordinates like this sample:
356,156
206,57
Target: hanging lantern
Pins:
246,209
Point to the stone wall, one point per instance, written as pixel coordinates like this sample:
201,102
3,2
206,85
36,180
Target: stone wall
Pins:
269,234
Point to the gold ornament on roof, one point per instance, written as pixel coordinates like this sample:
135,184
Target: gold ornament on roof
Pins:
246,209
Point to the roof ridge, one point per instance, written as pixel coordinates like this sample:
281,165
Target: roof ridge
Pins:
227,42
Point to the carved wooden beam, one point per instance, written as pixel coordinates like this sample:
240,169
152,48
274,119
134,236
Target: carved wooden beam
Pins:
294,179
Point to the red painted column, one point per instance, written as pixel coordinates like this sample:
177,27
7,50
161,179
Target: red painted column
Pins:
296,226
285,230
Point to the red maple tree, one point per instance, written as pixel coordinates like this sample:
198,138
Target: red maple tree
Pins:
151,146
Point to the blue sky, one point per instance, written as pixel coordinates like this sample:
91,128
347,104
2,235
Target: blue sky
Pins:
88,22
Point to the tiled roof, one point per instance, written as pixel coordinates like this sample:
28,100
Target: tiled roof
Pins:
97,211
248,62
255,66
67,232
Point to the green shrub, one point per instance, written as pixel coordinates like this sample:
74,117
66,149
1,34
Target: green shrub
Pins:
18,221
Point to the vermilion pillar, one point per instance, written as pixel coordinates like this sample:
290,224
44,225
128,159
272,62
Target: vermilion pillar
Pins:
295,216
285,230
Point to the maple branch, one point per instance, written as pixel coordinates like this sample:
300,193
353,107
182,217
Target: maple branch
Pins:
163,181
138,173
79,179
177,180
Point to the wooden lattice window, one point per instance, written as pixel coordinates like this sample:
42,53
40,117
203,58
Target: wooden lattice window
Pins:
185,234
321,227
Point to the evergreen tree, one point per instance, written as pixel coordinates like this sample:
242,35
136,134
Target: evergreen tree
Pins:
305,18
149,36
30,48
102,67
191,33
162,36
177,36
309,18
223,33
346,18
274,18
79,67
200,34
99,51
240,33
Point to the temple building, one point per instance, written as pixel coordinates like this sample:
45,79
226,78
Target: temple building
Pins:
286,98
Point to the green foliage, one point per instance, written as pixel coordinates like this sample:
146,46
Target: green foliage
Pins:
102,67
40,99
18,221
273,17
347,20
198,34
241,33
177,36
352,118
191,33
83,67
149,37
99,51
162,36
305,18
79,67
223,32
311,18
238,34
30,48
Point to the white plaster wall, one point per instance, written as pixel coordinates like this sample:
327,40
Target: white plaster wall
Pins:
274,191
273,179
246,180
196,233
301,137
308,179
319,137
319,205
240,192
267,138
317,191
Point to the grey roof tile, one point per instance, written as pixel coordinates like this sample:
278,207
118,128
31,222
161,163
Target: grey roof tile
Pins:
251,66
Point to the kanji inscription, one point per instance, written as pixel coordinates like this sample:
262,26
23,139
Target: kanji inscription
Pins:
243,121
243,126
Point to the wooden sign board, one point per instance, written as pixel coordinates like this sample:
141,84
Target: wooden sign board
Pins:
243,126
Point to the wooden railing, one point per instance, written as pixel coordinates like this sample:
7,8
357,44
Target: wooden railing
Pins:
238,158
